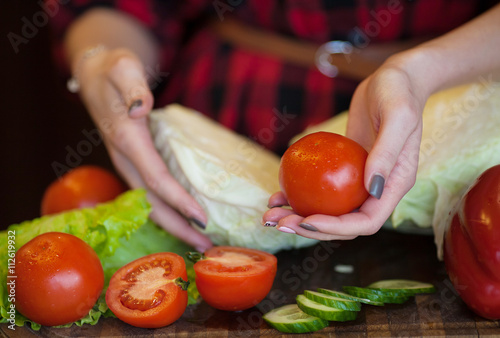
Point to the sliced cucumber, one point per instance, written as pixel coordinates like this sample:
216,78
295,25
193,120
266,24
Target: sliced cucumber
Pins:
323,311
332,301
291,319
377,295
341,294
408,287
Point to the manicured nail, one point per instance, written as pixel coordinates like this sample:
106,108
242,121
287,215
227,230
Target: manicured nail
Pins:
377,186
308,227
270,224
287,230
199,223
134,105
274,206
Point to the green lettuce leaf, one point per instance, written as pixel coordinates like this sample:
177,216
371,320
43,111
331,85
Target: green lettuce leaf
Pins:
108,229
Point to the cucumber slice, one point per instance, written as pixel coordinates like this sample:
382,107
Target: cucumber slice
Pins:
291,319
341,294
408,287
323,311
377,295
332,301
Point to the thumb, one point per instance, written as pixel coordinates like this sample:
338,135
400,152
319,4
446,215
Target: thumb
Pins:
128,77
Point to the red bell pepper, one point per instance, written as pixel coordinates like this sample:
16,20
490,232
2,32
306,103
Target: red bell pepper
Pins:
472,245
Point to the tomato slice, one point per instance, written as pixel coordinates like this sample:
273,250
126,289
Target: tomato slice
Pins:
233,278
149,291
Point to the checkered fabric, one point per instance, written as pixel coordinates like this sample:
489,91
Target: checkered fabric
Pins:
258,95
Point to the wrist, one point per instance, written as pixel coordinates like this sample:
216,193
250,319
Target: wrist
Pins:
423,67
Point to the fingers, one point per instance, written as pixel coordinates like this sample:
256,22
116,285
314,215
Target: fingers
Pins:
367,221
127,76
171,221
162,214
277,199
385,118
387,152
135,144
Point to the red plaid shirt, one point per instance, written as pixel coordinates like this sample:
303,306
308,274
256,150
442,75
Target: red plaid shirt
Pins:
264,97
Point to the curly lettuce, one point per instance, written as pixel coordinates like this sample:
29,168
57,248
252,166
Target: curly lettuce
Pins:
119,231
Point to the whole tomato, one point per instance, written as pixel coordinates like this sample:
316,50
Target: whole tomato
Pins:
82,187
472,245
323,173
59,279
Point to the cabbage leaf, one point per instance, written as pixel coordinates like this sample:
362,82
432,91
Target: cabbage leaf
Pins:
229,175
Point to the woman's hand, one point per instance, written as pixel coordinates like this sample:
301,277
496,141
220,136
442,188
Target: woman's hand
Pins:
115,91
385,118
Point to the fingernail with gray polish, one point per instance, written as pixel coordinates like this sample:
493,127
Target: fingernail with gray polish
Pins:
199,223
270,224
377,186
134,105
308,227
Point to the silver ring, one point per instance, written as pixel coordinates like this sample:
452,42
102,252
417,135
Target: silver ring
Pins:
323,56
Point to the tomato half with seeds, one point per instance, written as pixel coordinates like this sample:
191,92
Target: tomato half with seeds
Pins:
233,278
149,292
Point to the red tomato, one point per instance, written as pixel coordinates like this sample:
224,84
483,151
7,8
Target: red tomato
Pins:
234,279
59,279
472,245
149,292
81,187
322,173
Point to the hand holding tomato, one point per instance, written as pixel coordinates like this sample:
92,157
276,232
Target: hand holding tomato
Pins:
385,119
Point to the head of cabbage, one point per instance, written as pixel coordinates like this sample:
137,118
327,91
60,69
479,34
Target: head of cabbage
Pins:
229,175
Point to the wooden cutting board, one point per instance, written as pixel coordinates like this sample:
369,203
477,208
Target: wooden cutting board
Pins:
387,254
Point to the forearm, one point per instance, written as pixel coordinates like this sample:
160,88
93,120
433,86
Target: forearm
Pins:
461,56
112,29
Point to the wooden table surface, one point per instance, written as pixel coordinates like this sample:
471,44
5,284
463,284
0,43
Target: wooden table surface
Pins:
387,254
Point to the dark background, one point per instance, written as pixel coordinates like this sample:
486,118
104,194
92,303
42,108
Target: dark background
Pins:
41,122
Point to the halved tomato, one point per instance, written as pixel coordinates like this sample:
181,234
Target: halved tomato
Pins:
233,278
149,292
